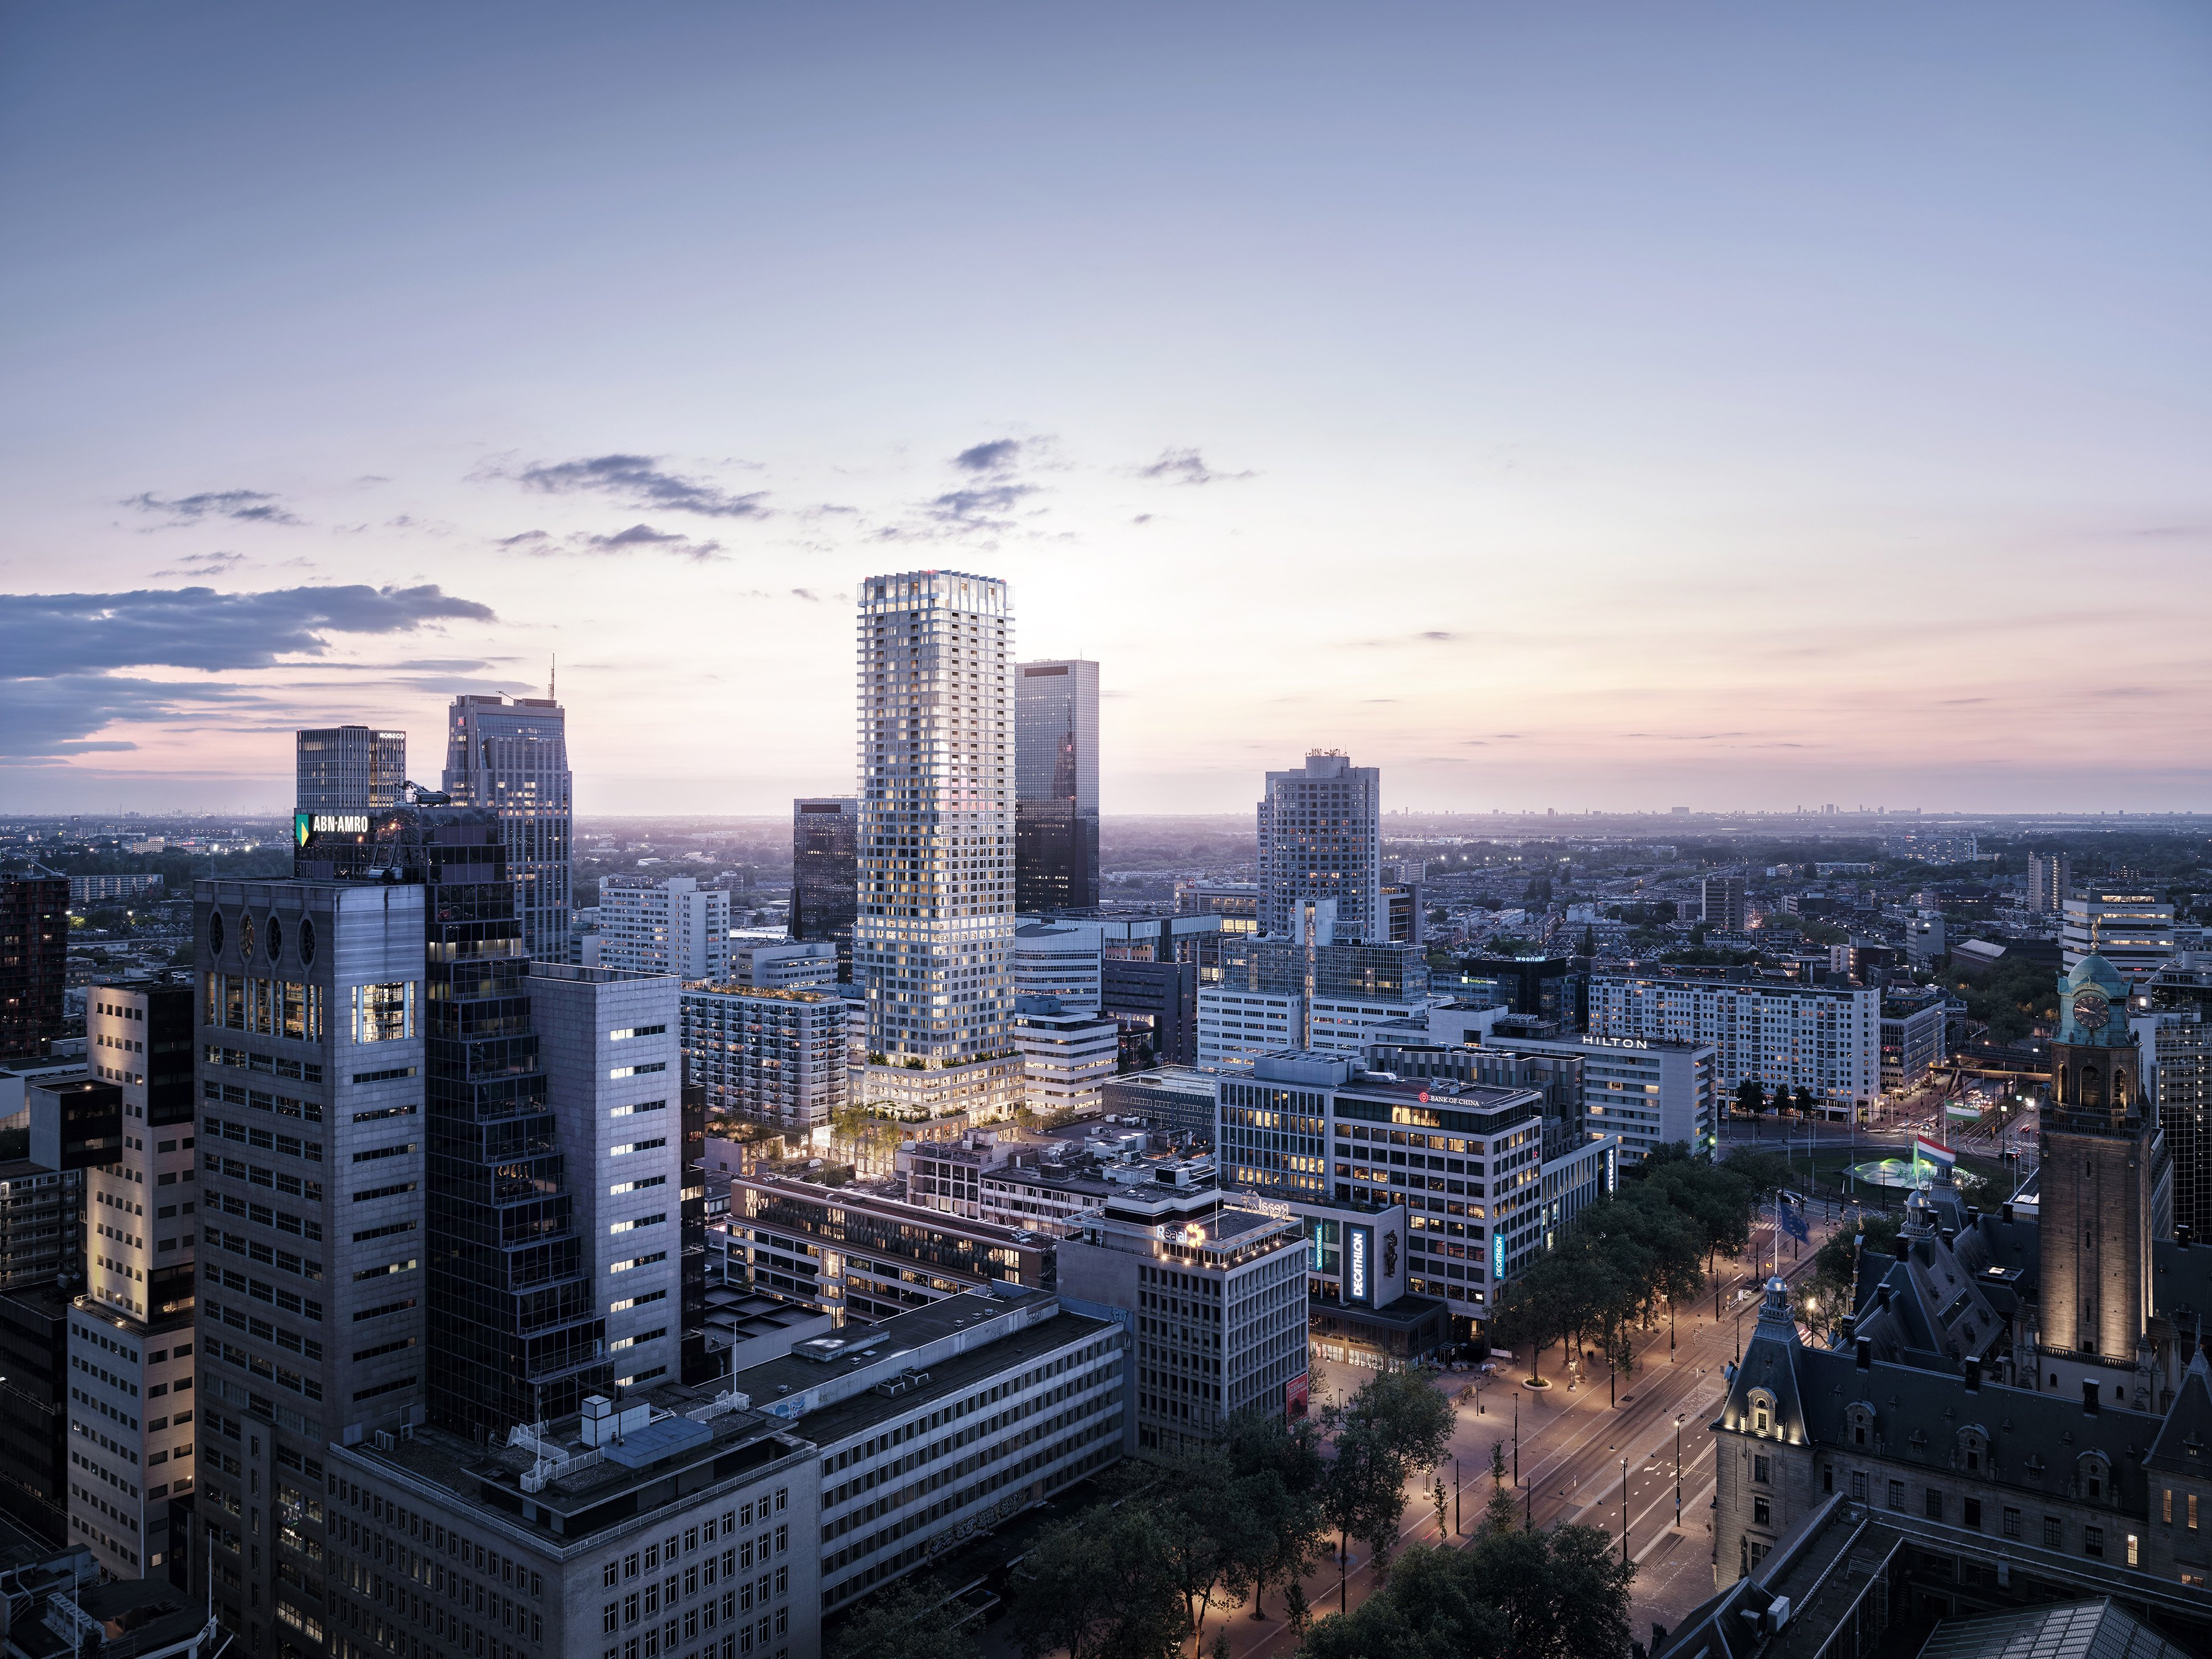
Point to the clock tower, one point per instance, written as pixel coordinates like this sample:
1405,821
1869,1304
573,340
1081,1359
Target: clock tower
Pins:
2100,1156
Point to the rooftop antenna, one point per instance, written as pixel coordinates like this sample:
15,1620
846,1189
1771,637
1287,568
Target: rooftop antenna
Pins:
553,679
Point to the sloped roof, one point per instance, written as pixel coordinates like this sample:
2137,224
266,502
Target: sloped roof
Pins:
2184,1445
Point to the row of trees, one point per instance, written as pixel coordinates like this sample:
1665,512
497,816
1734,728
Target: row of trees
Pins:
1218,1525
1648,1247
1526,1593
1752,1097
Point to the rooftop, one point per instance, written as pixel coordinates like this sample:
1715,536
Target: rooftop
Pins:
560,1488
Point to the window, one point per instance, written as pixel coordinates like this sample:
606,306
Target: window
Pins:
1859,1485
2192,1512
1934,1504
384,1014
1973,1511
1897,1494
2132,1549
2011,1527
2093,1540
2054,1533
1759,1471
1762,1512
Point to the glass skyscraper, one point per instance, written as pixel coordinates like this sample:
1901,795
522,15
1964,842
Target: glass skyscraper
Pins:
936,921
349,768
825,896
512,1330
1056,786
514,758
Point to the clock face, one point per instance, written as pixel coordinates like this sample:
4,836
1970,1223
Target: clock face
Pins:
2091,1011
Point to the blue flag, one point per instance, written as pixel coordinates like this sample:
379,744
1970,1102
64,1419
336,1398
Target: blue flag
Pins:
1792,1222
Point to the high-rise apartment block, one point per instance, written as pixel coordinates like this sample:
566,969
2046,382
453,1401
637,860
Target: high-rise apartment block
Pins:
33,961
513,757
1321,837
350,770
1724,903
937,854
1826,1038
669,926
825,892
614,1076
2129,927
1056,793
2049,880
766,1054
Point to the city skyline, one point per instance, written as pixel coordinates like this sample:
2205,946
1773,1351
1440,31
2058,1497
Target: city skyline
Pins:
1607,411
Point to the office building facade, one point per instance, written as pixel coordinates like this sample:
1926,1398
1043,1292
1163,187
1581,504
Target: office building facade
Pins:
352,770
865,1258
131,1339
1056,779
783,964
1156,1006
614,1077
2129,928
675,1522
936,921
1911,1040
1213,1297
1826,1038
669,926
1487,1180
1270,993
1647,1092
1010,1394
768,1056
825,891
1060,959
34,961
309,1321
1321,838
1066,1056
512,756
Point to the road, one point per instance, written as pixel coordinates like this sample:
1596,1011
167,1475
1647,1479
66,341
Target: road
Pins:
1569,1443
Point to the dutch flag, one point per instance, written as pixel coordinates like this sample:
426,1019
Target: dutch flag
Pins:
1929,1151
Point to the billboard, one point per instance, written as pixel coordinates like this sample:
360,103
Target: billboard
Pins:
1359,1284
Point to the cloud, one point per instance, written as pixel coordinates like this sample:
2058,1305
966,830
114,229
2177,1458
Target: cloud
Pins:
996,456
59,651
644,535
529,539
1187,466
43,635
204,564
248,505
971,506
639,481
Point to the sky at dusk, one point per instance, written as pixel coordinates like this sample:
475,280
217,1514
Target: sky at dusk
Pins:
1569,405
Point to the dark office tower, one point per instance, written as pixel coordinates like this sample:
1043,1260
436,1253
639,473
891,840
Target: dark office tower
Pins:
825,872
1056,787
513,757
34,961
511,1332
349,769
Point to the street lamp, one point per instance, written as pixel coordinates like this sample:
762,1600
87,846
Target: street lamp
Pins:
1678,1416
1624,1511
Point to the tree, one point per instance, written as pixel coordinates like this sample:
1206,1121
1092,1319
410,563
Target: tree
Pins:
1527,1316
1806,1104
1280,1473
1092,1587
1750,1098
1823,1295
1364,1493
911,1619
